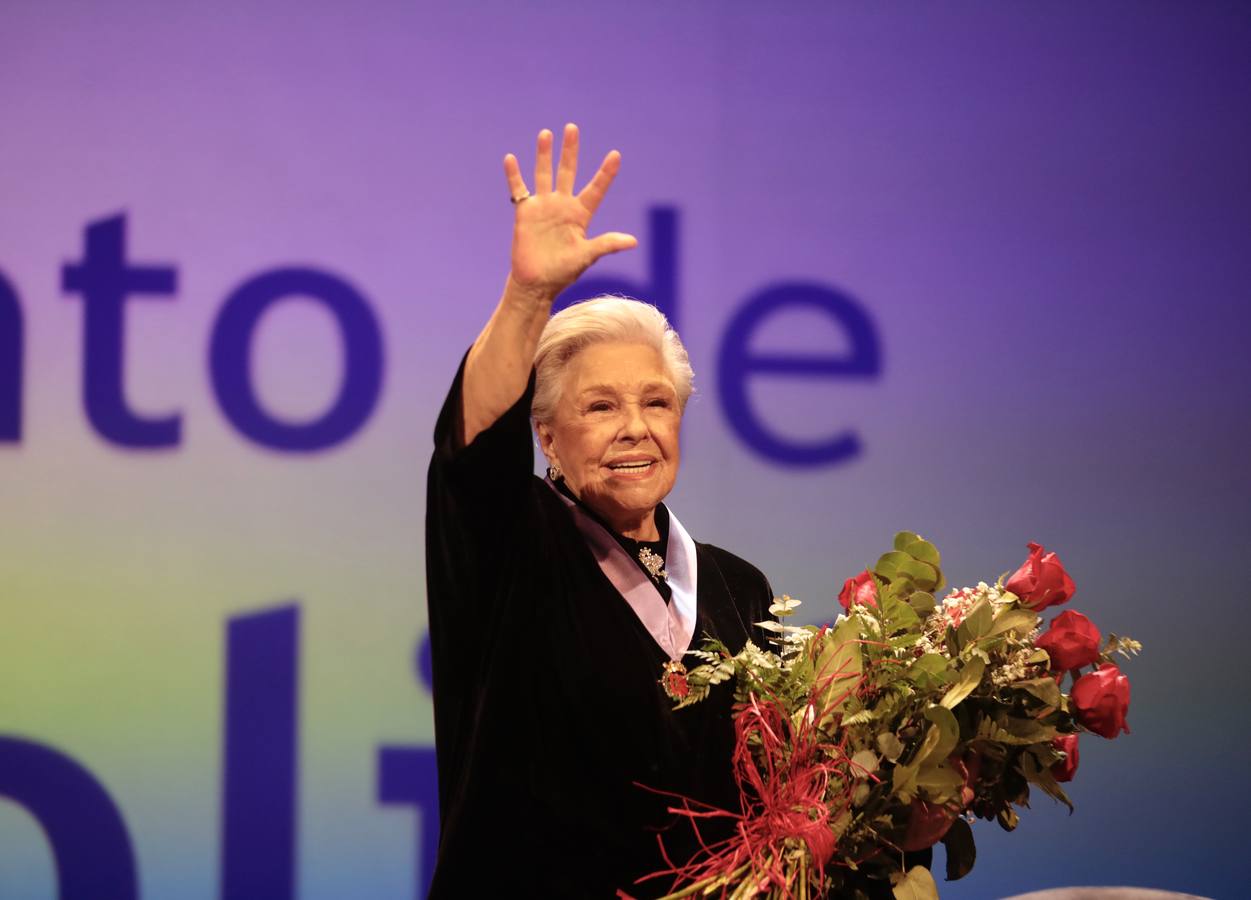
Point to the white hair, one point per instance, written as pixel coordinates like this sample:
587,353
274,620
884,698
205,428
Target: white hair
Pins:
597,320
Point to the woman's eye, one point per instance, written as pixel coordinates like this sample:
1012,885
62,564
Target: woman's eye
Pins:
599,406
659,403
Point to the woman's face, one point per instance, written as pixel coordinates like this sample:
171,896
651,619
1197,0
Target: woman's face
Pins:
615,431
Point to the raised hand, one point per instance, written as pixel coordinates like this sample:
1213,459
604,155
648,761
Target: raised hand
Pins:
550,245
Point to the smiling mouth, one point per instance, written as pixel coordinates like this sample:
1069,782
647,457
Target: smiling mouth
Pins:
641,465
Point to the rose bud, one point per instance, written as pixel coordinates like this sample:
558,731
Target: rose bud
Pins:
1101,699
860,589
1066,768
1072,641
1041,581
927,824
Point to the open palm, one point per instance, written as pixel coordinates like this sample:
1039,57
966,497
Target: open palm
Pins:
550,245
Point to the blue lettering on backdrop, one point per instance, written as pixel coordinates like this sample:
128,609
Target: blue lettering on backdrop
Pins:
87,835
84,828
105,282
259,787
409,776
737,362
11,353
362,371
661,290
261,762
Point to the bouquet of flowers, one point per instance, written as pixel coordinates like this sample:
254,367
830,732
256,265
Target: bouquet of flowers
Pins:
892,728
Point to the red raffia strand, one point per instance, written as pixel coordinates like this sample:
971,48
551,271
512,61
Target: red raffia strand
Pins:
791,789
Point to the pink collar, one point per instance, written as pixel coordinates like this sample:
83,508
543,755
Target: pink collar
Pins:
672,624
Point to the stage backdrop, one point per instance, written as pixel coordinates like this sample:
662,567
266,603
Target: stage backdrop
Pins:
977,270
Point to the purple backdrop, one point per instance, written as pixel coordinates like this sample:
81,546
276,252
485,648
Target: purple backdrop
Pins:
1036,217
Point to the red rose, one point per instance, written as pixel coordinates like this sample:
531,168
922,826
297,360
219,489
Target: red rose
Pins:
1041,581
926,825
1072,641
860,589
1066,768
1101,699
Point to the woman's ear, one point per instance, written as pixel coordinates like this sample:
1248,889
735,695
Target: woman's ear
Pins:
547,443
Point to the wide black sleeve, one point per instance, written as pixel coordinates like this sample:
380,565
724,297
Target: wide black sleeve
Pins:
480,530
479,503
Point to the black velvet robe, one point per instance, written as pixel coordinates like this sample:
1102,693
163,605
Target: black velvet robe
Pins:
548,707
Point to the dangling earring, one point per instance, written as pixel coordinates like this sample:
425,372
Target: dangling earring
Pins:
554,473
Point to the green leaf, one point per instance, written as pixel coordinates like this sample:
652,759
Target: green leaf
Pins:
839,825
907,639
923,574
705,655
904,538
1041,775
896,565
903,782
839,666
890,565
920,548
890,745
916,884
924,552
967,681
784,605
859,718
1045,689
977,623
898,615
985,745
940,739
948,735
1022,621
939,782
922,603
1025,731
1008,819
929,671
994,731
961,850
952,640
864,761
886,567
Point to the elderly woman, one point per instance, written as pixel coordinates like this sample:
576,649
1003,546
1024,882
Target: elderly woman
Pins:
555,603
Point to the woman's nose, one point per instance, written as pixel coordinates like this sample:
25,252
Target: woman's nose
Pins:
633,426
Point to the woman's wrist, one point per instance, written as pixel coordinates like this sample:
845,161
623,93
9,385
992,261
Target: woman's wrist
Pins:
530,298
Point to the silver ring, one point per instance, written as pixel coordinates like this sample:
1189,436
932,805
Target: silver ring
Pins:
515,200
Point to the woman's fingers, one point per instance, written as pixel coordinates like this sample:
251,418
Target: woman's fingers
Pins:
543,163
567,171
594,192
612,242
516,184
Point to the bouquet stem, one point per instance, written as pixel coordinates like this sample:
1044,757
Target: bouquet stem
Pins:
707,885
